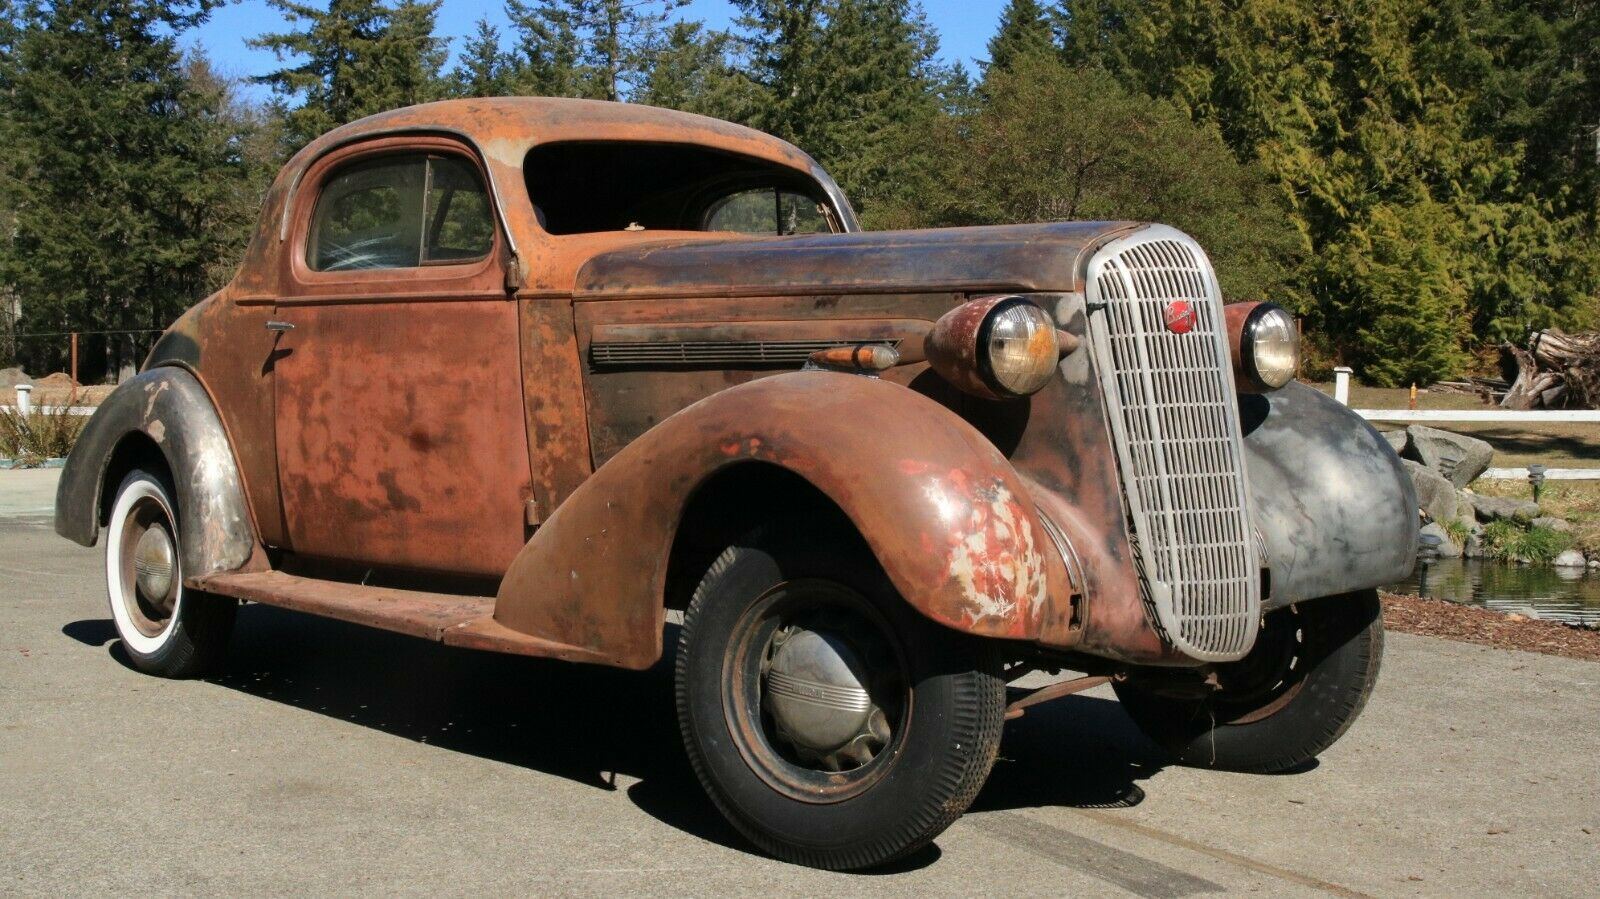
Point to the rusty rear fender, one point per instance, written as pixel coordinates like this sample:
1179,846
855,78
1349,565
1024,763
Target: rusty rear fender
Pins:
166,409
941,508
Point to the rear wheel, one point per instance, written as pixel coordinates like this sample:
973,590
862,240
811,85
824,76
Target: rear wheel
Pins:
832,724
167,629
1297,692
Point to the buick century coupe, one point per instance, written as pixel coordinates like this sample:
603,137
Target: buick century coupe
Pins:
529,375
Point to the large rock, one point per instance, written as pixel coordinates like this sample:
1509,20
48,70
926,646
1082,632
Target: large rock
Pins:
1560,525
1570,559
1396,439
1458,457
1497,508
1437,496
1448,547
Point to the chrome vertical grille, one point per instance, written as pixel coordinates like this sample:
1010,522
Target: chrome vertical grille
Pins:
1175,421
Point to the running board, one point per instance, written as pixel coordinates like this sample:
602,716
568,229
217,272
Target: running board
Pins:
465,621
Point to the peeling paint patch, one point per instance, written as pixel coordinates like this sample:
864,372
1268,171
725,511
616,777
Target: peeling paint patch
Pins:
991,554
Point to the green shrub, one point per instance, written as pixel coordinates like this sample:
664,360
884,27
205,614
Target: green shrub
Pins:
1458,530
44,433
1508,541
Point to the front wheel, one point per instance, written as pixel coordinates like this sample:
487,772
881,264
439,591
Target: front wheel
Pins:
166,628
1300,688
832,725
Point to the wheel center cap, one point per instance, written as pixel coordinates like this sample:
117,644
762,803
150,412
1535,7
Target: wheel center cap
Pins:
152,564
814,691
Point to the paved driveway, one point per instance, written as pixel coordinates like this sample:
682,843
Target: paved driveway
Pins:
331,759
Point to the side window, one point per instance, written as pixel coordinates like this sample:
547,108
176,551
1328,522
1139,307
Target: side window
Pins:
400,211
767,211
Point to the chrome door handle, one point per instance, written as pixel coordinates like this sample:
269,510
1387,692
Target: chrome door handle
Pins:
280,327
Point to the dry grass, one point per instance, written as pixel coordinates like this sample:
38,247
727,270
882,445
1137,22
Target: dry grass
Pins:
44,433
1576,501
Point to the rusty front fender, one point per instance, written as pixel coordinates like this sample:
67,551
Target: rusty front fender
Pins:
941,508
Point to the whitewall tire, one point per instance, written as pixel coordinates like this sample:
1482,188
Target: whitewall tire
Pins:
166,628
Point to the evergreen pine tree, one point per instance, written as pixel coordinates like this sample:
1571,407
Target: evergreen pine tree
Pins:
1049,143
483,69
853,82
1425,233
1024,29
360,57
546,60
603,49
692,71
115,173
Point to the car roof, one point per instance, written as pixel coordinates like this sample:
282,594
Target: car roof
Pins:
505,128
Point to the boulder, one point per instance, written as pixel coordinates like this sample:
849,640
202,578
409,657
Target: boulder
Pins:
1456,456
1550,523
1497,508
1475,548
1436,496
1448,548
1397,439
1570,559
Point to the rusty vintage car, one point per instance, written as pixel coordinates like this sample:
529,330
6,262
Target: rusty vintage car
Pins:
529,375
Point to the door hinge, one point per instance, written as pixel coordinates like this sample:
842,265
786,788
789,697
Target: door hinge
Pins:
516,274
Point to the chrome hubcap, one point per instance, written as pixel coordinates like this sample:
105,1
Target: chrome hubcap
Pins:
815,690
152,565
816,693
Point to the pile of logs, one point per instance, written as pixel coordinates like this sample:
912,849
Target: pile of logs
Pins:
1556,371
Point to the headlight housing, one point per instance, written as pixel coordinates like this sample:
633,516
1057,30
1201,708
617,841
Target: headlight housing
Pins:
1265,343
997,347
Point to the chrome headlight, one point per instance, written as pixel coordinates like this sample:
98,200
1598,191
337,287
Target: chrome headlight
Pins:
995,347
1266,344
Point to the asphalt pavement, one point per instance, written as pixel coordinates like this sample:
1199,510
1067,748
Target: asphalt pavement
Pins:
332,759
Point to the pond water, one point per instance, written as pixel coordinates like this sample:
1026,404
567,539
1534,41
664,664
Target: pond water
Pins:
1558,594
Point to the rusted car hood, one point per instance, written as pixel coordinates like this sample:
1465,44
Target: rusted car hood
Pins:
1023,258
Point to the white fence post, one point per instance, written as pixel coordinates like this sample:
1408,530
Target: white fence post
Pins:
24,398
1341,384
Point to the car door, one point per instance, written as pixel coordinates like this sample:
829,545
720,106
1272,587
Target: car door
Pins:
398,392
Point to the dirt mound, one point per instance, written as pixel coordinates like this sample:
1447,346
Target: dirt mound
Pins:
54,381
11,377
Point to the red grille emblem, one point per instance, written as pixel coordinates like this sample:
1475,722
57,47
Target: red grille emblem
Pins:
1180,317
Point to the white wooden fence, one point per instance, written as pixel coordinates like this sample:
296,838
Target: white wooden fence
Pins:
1341,392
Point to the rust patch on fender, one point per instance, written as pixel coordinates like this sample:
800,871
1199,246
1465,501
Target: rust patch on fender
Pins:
989,549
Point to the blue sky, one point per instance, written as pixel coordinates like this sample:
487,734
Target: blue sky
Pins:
964,28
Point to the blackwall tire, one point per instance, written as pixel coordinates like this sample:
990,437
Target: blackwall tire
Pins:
1313,670
933,705
166,629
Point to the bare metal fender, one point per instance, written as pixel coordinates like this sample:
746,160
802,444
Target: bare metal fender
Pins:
170,407
941,508
1335,509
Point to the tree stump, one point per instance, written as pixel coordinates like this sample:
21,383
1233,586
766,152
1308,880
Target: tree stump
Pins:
1557,371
